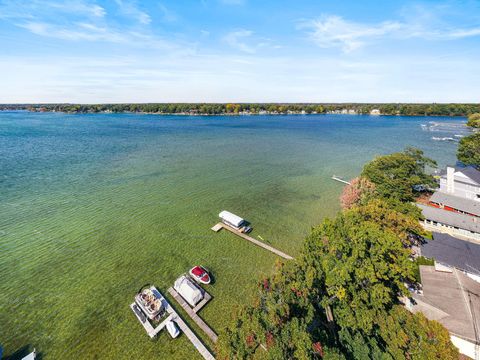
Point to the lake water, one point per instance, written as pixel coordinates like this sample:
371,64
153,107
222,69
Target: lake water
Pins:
93,207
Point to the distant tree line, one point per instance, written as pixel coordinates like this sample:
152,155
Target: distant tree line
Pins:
256,108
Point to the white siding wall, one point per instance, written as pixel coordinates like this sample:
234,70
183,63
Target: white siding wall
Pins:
466,191
447,229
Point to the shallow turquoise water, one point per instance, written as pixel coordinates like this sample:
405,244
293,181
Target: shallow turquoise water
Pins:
94,206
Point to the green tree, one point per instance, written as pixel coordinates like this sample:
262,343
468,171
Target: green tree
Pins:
469,150
474,120
380,212
278,324
361,268
395,175
413,336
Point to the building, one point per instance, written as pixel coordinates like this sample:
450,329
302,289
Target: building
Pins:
449,222
453,299
455,207
461,182
451,252
375,112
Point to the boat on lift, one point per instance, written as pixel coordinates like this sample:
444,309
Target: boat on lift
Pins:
200,274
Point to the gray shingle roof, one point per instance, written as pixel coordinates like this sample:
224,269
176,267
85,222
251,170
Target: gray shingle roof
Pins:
472,173
454,252
461,221
466,205
443,300
469,171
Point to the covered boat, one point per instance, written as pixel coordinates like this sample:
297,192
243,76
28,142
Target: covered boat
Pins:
188,290
234,221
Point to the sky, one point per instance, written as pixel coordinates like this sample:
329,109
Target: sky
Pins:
95,51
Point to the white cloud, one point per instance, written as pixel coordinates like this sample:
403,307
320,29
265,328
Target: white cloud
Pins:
35,8
464,33
168,15
78,7
334,31
130,8
75,32
85,20
236,39
197,78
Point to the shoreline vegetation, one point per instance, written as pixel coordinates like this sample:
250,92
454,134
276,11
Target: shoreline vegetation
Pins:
205,109
342,297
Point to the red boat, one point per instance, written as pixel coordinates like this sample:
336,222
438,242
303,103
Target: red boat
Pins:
200,274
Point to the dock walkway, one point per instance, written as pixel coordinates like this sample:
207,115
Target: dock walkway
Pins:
173,315
193,313
342,180
151,331
193,339
220,225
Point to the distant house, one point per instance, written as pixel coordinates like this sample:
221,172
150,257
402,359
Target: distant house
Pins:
453,299
455,207
375,112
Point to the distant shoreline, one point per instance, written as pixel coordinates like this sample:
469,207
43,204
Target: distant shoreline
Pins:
224,114
235,109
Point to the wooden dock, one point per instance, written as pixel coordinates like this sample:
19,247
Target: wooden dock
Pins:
173,315
342,180
193,339
193,313
220,226
151,331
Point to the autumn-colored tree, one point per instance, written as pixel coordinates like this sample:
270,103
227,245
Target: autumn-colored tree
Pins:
358,191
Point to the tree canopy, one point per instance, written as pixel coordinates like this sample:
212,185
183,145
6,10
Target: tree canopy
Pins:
357,192
356,265
474,120
396,175
469,150
340,298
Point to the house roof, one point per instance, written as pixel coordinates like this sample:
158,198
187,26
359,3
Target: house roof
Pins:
466,205
472,173
451,251
468,171
451,299
451,218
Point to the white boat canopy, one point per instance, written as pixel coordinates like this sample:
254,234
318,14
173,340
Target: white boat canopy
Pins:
233,219
31,356
188,290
